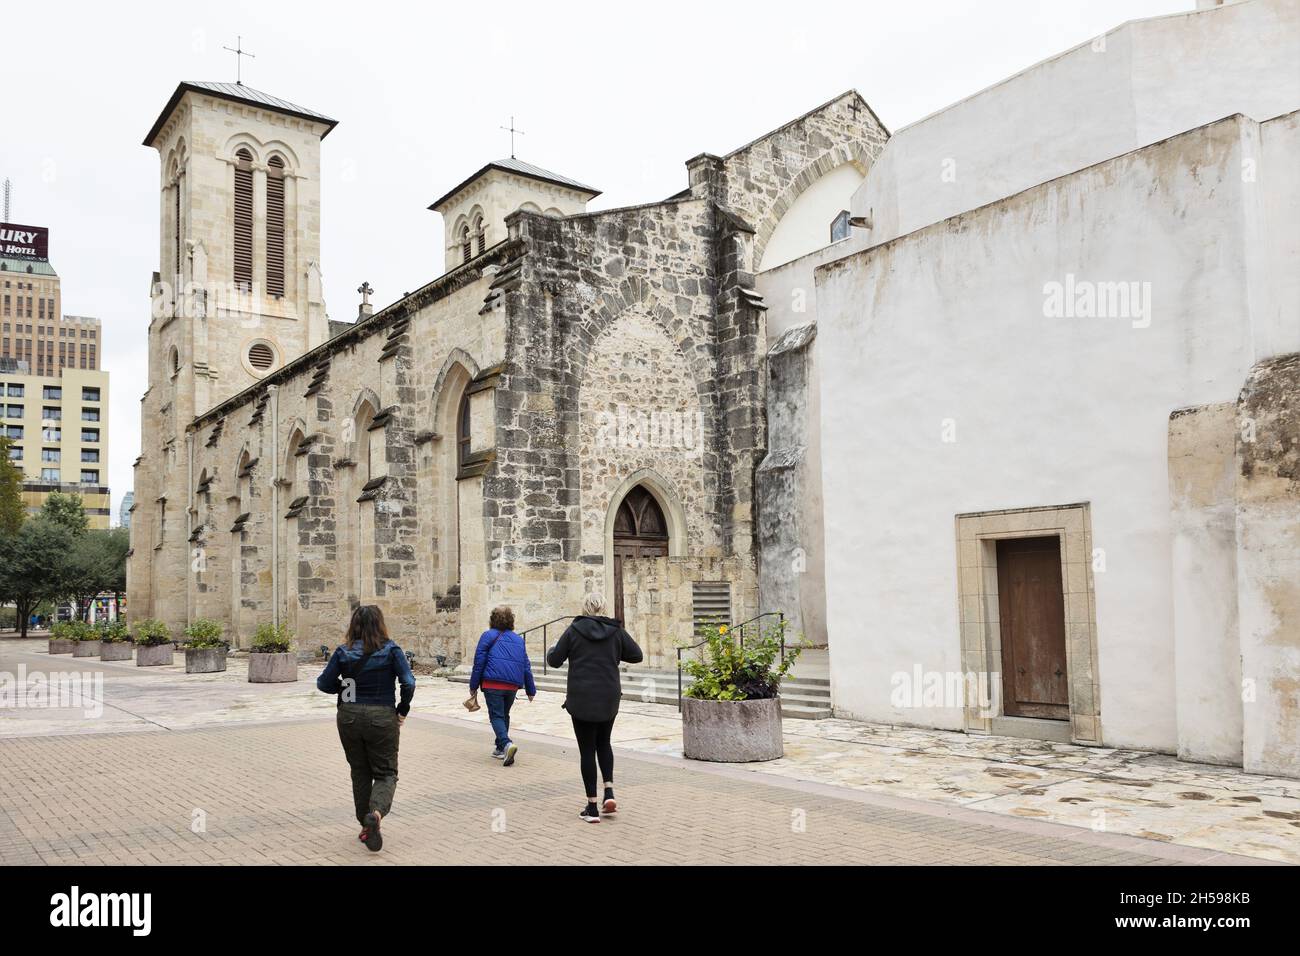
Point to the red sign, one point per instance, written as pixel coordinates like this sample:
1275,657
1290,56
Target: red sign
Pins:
24,242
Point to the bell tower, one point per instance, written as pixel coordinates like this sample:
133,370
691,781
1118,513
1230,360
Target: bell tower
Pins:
237,294
238,290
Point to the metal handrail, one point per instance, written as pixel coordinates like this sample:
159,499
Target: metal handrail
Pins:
542,627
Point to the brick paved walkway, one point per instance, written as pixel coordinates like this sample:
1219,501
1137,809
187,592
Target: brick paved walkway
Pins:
278,793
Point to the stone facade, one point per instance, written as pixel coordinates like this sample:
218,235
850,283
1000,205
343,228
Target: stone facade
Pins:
470,445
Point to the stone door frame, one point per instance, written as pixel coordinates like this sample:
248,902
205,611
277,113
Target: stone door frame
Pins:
981,637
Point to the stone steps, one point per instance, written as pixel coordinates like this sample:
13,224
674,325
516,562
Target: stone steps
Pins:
808,699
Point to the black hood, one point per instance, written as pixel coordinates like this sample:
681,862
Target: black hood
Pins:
596,628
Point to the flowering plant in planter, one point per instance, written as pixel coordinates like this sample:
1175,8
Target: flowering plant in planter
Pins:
114,632
151,632
731,668
205,634
274,658
732,712
272,639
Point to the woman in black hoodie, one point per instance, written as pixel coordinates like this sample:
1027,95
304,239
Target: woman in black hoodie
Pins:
594,646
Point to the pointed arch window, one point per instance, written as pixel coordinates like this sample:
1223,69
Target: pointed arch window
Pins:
275,226
243,221
462,430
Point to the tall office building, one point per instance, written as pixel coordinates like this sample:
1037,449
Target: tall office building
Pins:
53,396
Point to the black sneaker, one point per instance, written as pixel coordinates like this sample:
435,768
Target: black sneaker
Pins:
374,839
610,805
589,814
509,755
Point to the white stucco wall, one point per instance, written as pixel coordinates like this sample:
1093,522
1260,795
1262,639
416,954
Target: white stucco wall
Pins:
806,225
948,324
1139,83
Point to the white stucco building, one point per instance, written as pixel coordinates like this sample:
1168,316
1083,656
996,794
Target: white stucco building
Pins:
1051,402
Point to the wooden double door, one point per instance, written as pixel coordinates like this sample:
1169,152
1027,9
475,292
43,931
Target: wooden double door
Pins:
1031,605
640,531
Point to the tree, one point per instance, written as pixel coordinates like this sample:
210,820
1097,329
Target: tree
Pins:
66,510
33,565
12,510
96,564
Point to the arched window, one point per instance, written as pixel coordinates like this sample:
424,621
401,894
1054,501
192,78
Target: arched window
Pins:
243,221
275,226
175,360
640,531
480,234
462,431
466,249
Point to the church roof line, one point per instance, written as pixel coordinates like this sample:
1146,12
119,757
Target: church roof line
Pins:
237,93
439,288
519,168
799,119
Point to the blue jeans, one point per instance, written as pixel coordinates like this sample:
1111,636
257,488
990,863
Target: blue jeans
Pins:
499,703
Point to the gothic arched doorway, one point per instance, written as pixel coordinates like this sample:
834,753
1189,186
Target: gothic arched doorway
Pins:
640,531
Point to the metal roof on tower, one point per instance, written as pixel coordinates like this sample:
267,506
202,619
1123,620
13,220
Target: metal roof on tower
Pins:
237,93
520,168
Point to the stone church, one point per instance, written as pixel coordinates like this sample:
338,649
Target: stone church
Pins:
578,402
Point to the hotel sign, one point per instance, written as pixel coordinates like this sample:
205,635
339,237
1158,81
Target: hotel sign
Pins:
24,242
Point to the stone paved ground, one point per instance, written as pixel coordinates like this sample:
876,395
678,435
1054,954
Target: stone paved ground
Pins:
261,763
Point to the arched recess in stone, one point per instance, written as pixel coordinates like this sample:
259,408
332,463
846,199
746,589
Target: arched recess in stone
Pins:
457,372
240,504
356,518
294,486
674,513
640,413
845,154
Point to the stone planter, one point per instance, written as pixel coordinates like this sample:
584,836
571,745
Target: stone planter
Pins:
153,655
62,645
732,731
115,650
85,648
272,668
205,660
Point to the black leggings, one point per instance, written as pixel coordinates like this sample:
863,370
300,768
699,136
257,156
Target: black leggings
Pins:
593,745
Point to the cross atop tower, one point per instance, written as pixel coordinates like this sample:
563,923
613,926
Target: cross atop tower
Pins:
240,53
365,291
513,131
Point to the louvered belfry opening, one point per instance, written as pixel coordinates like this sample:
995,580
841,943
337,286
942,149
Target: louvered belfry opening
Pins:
275,227
243,246
260,356
176,228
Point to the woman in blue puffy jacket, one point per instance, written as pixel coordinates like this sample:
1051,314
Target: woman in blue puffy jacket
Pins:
501,667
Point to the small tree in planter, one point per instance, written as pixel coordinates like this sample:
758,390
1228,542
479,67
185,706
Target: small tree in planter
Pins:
61,639
153,643
114,641
86,639
205,649
732,711
272,659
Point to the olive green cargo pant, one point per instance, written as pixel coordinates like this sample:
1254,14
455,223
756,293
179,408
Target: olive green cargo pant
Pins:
369,733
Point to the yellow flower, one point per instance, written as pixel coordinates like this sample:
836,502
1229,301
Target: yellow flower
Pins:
722,629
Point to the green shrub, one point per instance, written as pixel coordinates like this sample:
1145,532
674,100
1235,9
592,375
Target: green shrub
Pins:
74,631
727,669
114,632
272,639
204,633
151,632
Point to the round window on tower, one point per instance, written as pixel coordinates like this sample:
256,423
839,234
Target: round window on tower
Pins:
260,357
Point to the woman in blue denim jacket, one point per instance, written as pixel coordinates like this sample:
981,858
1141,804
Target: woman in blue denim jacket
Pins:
361,672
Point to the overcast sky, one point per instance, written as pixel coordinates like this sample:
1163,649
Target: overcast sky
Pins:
618,96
